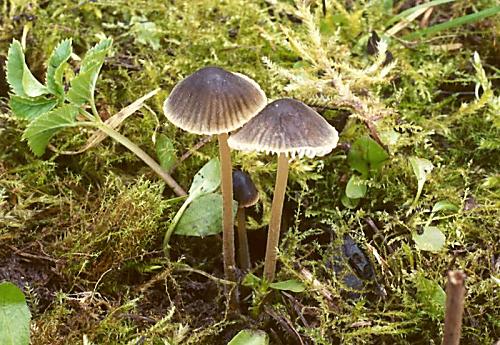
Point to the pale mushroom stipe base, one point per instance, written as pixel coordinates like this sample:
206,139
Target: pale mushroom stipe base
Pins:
288,128
213,101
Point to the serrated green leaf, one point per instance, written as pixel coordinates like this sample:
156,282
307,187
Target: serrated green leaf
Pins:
30,108
432,239
203,217
39,132
288,285
14,316
444,205
356,187
166,152
365,155
83,85
55,67
19,77
206,180
96,53
250,337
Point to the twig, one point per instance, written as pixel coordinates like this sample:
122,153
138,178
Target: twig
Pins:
455,292
191,150
186,268
284,322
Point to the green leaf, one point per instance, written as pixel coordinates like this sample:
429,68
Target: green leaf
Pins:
206,180
444,205
431,296
14,316
356,187
56,65
83,85
288,285
39,132
250,337
96,54
431,240
19,77
30,108
146,32
421,168
251,280
348,202
365,155
203,217
166,152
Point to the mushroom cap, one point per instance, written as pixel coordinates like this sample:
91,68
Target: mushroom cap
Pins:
286,126
213,101
244,190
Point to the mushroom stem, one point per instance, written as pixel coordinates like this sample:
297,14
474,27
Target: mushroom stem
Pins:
273,235
227,208
244,252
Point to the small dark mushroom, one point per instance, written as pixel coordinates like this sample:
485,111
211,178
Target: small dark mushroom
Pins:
245,193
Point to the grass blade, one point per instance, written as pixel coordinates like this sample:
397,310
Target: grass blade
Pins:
468,19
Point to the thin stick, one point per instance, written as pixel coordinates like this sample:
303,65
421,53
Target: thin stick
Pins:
144,156
203,141
273,235
243,250
455,292
227,208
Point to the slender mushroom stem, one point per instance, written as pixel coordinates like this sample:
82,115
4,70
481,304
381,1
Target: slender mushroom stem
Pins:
227,208
273,235
455,292
244,252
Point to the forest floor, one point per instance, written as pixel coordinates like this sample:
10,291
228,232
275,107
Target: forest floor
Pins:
82,234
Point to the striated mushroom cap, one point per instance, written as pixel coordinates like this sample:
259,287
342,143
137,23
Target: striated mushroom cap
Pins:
286,126
213,101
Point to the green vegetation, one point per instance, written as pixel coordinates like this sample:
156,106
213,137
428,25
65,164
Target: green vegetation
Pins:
414,185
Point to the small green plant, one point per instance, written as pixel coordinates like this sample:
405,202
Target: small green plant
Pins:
262,287
365,158
14,316
201,213
250,337
49,108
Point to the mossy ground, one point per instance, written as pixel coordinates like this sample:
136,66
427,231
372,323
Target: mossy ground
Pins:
82,234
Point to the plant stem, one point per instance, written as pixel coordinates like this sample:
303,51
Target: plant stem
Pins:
227,208
244,252
173,224
455,292
273,235
144,156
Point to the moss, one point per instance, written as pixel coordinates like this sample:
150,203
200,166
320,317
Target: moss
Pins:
100,216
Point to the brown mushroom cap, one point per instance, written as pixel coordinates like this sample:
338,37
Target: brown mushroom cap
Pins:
213,101
244,190
286,126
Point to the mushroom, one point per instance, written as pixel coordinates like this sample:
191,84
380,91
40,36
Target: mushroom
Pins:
245,193
214,101
288,128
